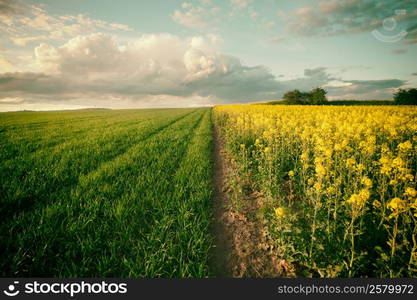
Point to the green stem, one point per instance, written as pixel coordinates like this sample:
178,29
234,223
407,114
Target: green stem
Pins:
352,243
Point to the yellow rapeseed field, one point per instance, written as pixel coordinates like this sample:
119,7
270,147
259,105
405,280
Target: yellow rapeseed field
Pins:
340,180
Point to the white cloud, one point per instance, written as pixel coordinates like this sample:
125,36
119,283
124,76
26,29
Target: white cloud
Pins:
11,100
186,4
337,83
240,3
6,65
22,41
199,16
26,24
192,17
163,58
152,65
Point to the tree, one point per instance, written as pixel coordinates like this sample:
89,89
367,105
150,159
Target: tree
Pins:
315,97
406,97
318,96
305,98
293,97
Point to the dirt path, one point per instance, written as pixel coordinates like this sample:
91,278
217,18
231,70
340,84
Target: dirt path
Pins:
241,249
222,256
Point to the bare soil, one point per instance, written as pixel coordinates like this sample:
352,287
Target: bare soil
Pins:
241,248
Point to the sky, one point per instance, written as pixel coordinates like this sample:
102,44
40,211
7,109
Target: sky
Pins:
60,54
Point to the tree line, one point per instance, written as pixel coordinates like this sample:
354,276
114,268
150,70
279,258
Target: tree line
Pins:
317,96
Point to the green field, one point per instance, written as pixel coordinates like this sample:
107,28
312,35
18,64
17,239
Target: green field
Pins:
122,193
233,191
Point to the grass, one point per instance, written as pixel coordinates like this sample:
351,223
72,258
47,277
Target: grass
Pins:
105,193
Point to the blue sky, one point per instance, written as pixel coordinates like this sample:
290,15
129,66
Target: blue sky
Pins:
59,54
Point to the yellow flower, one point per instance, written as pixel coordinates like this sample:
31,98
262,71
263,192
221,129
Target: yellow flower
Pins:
410,192
304,156
360,167
367,182
331,190
398,162
279,212
359,200
267,149
395,203
406,146
364,194
317,187
350,162
320,170
353,199
376,204
338,147
291,173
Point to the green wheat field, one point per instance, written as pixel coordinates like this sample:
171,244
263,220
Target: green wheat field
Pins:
105,193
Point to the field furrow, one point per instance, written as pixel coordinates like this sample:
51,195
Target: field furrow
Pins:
51,174
109,211
22,140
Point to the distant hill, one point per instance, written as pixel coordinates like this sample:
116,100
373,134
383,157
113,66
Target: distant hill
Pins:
93,108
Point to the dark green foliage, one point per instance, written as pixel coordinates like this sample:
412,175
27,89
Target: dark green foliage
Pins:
293,97
316,96
406,97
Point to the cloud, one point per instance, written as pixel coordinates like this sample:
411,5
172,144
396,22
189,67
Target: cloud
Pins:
319,73
186,4
370,85
412,34
8,7
12,84
24,24
339,88
207,16
97,65
240,3
191,17
10,100
6,65
22,41
156,68
365,89
336,17
196,16
312,78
